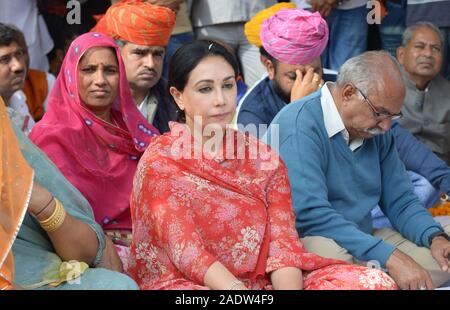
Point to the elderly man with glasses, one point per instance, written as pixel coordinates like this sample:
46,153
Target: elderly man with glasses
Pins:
342,162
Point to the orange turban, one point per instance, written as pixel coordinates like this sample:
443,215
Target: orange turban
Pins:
138,22
252,28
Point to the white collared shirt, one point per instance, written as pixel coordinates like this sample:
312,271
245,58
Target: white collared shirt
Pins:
148,107
18,103
333,121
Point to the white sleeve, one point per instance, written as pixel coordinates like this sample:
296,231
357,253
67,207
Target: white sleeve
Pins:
50,83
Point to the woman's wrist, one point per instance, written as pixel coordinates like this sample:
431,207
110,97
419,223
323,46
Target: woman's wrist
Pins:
56,219
287,278
218,277
45,212
45,207
236,284
40,197
240,287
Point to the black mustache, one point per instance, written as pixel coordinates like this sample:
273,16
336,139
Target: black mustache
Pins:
17,75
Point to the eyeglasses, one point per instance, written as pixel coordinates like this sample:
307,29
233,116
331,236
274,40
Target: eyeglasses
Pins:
376,113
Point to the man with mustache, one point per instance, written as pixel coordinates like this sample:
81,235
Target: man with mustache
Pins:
429,174
142,31
291,58
13,71
342,161
427,103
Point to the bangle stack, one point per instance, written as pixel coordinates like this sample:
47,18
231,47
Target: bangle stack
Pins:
235,283
56,219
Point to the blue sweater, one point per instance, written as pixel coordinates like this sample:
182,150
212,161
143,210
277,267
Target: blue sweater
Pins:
419,158
334,189
260,105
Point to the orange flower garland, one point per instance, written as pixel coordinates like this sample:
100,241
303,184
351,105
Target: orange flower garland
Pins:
443,208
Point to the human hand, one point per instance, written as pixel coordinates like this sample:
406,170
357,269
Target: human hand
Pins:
408,274
305,84
440,250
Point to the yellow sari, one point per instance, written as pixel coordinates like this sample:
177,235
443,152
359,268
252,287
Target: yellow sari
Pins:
16,178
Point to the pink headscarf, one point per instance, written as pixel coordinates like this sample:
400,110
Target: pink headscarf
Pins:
295,36
96,157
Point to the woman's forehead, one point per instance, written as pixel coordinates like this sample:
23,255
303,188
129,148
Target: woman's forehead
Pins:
105,55
211,68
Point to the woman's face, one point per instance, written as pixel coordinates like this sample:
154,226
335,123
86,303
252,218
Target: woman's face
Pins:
98,78
210,93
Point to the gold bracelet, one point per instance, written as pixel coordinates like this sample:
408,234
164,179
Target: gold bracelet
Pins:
56,219
52,216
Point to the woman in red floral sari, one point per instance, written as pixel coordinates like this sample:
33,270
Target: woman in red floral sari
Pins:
211,207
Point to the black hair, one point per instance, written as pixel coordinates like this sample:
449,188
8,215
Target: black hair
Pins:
186,59
62,33
10,34
266,54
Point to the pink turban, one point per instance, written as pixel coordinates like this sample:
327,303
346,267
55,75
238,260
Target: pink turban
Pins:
295,36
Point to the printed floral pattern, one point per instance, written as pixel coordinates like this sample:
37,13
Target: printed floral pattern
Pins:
188,214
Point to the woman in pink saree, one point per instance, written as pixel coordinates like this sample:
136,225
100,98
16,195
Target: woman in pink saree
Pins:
93,131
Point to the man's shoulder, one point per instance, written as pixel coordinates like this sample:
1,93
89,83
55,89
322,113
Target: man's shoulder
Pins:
160,86
383,144
442,84
160,90
307,109
255,96
301,118
256,104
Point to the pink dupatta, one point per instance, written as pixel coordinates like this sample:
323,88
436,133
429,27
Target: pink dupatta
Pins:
96,157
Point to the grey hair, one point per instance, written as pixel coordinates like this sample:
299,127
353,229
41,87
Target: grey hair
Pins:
409,32
120,43
366,71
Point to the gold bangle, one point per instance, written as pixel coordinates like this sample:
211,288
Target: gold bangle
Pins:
56,219
52,216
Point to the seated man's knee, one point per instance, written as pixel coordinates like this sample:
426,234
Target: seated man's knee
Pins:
327,248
